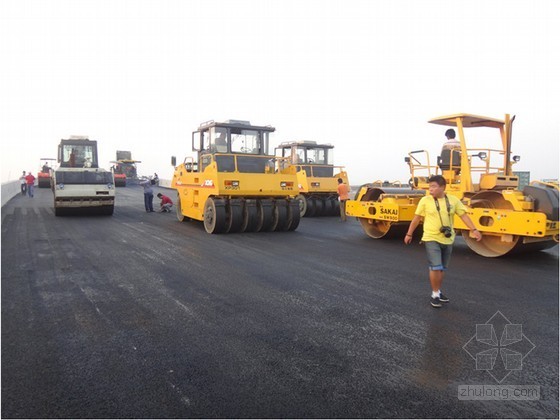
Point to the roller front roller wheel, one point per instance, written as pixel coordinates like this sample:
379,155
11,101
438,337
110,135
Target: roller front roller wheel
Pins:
264,215
320,209
302,204
179,212
250,216
214,215
311,207
328,206
107,210
498,245
234,216
294,214
44,183
334,206
280,216
375,229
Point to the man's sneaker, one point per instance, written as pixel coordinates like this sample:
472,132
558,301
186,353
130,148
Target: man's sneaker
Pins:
435,302
443,298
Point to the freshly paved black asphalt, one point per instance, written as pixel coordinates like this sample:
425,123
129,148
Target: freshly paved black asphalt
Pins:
138,315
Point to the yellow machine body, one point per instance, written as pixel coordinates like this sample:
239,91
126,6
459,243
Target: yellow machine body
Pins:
232,186
317,176
509,219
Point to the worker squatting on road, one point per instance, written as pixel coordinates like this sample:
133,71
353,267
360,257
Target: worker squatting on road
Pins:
166,203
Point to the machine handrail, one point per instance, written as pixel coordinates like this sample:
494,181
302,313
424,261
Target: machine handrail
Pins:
434,169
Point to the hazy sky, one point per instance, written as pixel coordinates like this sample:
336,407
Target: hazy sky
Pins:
363,75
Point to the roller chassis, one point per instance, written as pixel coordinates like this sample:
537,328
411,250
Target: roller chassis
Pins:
124,169
221,212
318,204
509,220
317,178
120,180
79,186
44,178
233,187
90,198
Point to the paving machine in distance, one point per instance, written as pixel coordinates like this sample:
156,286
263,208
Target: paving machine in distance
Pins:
232,185
44,175
317,177
509,220
124,168
79,183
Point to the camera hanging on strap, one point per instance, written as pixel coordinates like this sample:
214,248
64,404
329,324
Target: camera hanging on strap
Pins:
446,230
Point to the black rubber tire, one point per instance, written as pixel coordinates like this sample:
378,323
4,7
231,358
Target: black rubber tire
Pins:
311,207
178,211
333,206
302,204
44,183
214,215
280,220
107,210
234,215
250,216
264,215
320,209
294,215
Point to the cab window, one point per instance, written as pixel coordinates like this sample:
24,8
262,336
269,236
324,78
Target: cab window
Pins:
245,141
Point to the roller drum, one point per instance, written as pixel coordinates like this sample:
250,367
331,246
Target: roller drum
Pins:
378,229
493,245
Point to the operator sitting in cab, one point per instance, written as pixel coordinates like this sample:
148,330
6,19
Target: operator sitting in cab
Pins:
220,141
450,153
451,142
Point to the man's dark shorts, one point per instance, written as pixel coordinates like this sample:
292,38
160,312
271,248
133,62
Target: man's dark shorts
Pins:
438,255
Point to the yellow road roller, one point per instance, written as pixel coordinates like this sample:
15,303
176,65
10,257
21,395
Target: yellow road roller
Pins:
317,177
233,185
509,219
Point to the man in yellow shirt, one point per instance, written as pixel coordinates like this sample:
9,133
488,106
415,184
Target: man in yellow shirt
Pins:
343,191
437,209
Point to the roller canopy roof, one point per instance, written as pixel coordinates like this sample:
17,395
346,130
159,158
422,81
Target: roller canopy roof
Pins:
305,143
246,125
469,120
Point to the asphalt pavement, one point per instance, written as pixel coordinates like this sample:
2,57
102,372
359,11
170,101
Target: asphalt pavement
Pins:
138,315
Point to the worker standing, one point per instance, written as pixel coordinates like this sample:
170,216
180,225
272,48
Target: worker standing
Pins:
437,210
148,195
30,180
23,183
343,191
